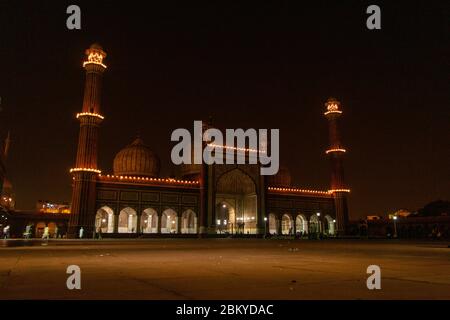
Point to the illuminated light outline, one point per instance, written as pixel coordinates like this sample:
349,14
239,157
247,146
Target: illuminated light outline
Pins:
168,180
332,106
93,62
335,150
85,170
299,190
83,114
339,190
332,111
95,58
232,148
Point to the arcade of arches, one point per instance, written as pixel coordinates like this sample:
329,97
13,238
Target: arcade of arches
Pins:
128,221
285,224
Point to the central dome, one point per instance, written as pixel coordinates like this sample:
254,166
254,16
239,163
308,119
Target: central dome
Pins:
136,160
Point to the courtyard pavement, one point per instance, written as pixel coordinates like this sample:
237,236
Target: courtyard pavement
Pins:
224,269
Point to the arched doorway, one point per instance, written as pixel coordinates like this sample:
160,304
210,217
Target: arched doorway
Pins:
104,220
273,225
149,221
314,224
188,222
330,225
225,218
52,229
127,220
40,227
237,191
169,221
287,226
301,224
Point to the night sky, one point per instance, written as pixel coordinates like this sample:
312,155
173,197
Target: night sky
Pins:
265,65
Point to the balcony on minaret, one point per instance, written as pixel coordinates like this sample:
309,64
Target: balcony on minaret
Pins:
95,56
333,107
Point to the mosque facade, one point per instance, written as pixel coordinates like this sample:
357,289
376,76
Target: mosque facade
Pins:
205,200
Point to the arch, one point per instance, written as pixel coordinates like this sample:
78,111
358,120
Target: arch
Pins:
226,221
40,227
52,229
237,190
127,220
169,221
149,221
104,220
273,225
236,181
330,225
188,222
314,224
287,225
301,224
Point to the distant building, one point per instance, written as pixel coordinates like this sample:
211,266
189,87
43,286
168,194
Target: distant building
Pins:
402,213
373,217
36,221
46,206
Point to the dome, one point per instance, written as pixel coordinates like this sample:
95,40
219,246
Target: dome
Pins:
136,160
281,179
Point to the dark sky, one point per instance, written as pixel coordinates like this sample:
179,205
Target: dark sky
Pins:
270,64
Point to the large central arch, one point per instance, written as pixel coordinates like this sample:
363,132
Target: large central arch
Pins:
236,203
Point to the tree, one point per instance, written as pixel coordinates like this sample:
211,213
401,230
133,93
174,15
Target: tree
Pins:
435,208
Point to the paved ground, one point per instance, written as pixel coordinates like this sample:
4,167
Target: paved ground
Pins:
224,269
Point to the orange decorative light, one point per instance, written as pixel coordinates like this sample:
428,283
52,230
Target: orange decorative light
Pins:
95,58
332,111
232,148
296,190
89,114
85,170
148,179
332,105
335,150
339,190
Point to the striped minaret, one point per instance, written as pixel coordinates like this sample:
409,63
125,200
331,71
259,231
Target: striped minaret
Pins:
336,153
85,172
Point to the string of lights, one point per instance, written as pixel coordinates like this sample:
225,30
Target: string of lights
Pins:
149,179
85,170
89,114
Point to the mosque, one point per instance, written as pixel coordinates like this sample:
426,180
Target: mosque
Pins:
205,200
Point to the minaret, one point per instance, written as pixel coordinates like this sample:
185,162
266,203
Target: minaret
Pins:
85,172
7,145
336,153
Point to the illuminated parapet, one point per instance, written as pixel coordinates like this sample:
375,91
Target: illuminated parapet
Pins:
85,170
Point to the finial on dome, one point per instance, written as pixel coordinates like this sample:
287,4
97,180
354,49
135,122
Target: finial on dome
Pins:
138,141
